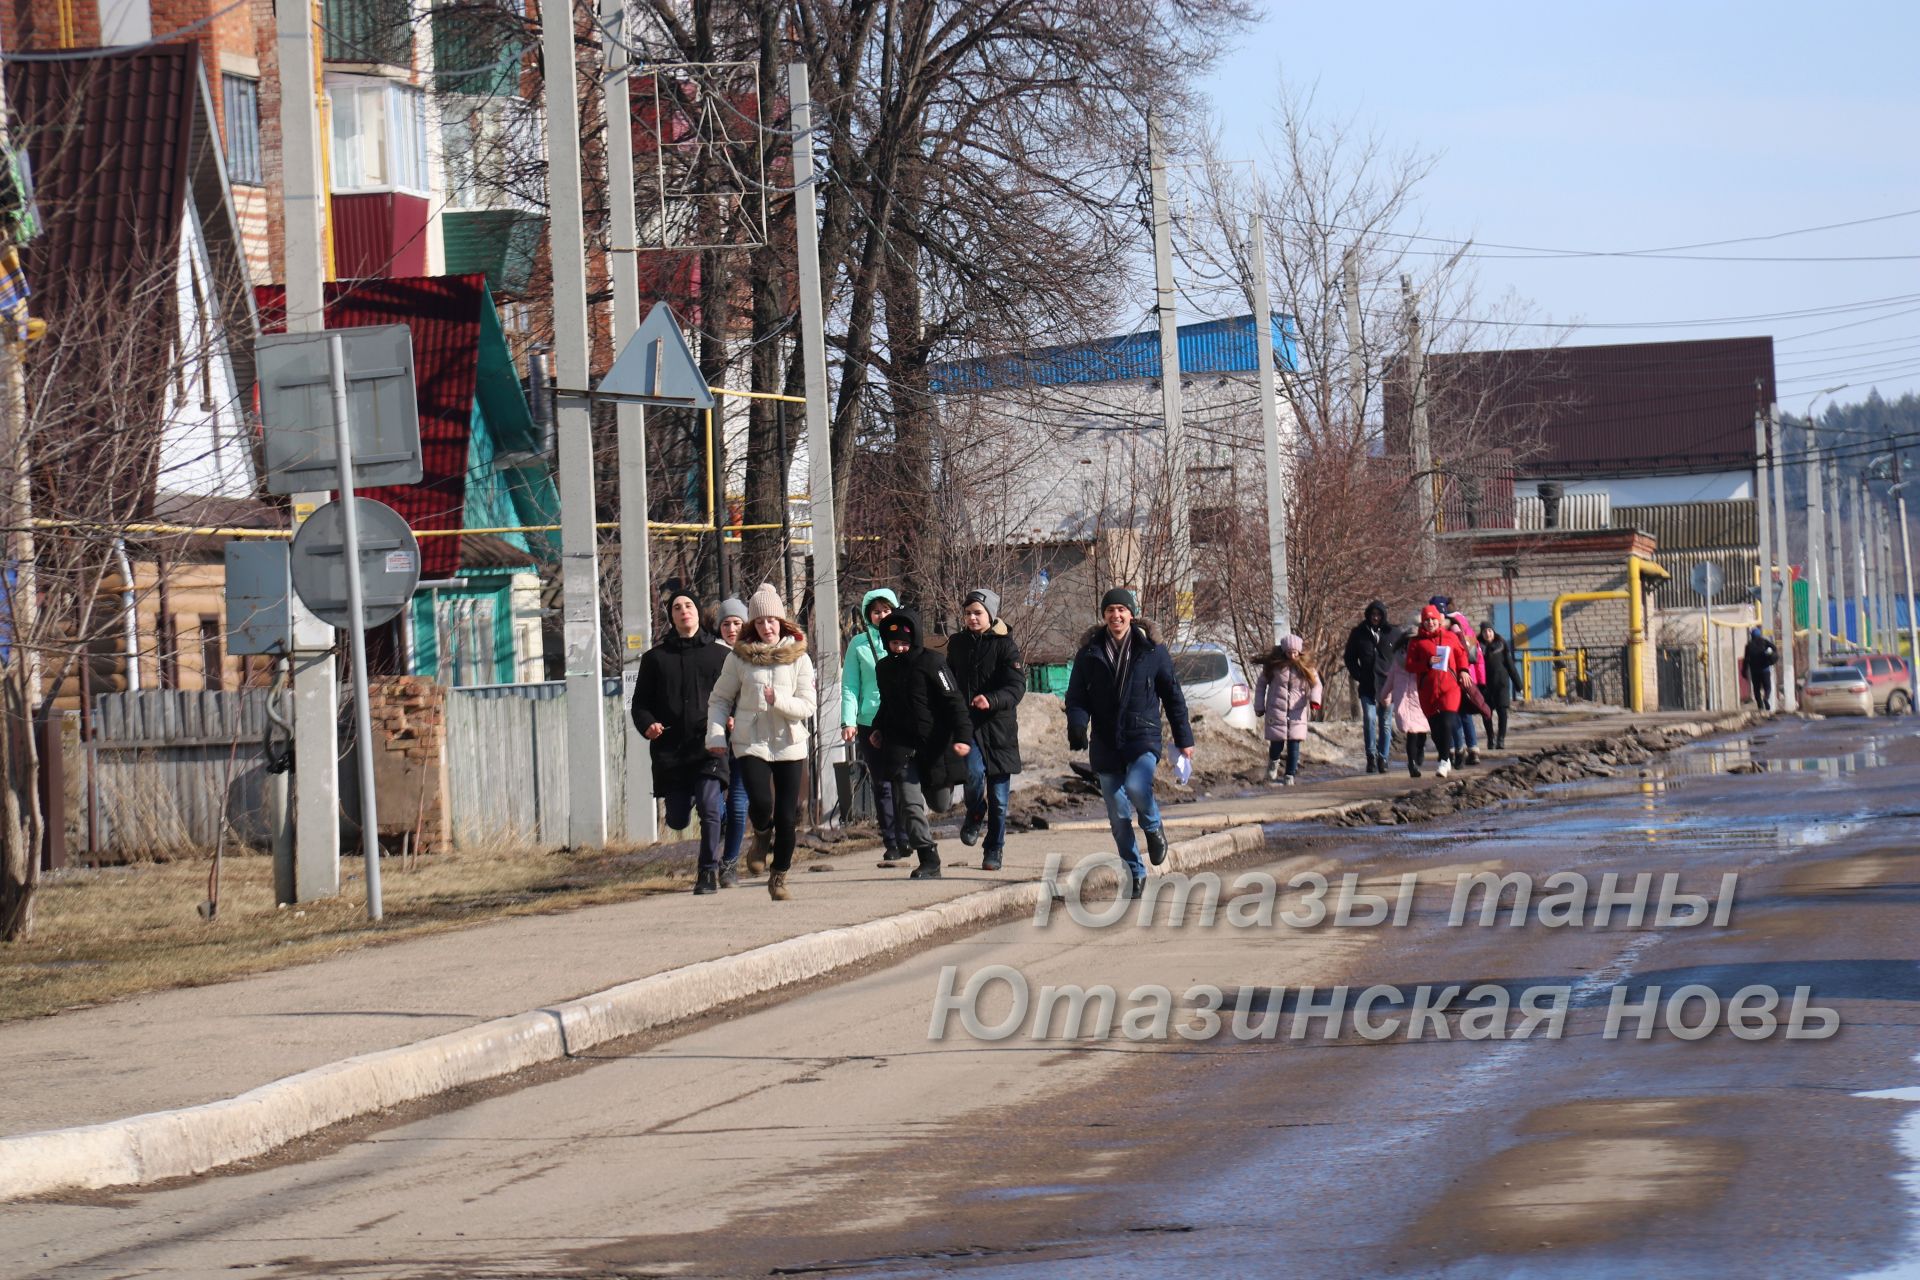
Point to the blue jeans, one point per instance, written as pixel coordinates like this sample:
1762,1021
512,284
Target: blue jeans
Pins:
736,810
1376,729
690,793
987,800
1128,793
1464,737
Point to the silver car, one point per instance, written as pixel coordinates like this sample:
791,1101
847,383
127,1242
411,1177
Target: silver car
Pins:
1215,686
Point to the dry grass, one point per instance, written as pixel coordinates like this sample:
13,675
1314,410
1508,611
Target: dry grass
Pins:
104,934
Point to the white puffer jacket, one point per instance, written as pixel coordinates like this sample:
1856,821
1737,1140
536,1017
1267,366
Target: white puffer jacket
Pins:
777,732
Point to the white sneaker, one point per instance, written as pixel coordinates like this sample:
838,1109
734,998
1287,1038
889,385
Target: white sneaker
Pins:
1446,767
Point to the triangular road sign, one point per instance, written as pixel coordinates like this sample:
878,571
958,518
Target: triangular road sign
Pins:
655,367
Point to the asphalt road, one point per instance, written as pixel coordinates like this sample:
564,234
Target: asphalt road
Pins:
828,1134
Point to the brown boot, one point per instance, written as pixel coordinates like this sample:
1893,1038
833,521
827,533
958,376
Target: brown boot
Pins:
777,887
759,848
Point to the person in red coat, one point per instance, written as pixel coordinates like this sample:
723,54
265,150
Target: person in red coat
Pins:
1436,657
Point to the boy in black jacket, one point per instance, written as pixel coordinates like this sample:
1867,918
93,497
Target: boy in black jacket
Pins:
670,710
922,734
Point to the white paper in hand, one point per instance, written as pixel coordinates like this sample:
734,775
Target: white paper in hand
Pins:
1183,769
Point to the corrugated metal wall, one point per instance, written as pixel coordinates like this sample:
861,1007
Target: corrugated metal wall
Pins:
1694,526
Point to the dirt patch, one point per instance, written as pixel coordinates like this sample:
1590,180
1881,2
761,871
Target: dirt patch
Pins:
1612,758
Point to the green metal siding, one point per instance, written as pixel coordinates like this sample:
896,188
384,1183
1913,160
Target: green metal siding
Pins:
501,244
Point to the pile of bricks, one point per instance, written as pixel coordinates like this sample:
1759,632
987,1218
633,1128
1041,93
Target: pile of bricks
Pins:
410,724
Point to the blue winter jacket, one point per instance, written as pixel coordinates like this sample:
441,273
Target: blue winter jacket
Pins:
1125,724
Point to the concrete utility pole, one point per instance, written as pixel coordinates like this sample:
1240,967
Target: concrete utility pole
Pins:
1816,564
1906,561
316,728
1836,550
1270,432
820,490
579,553
1179,480
1763,512
1421,440
1356,336
1858,504
1777,479
636,564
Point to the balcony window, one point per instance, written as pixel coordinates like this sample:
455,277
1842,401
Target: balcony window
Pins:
478,47
493,151
368,31
240,101
379,136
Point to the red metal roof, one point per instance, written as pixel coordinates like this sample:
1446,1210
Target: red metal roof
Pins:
444,314
1641,408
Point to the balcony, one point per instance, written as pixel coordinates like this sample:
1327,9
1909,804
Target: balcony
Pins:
368,32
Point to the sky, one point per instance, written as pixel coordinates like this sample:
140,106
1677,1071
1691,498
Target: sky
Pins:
1630,126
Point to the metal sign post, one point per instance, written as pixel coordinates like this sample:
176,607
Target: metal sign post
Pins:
356,627
1706,581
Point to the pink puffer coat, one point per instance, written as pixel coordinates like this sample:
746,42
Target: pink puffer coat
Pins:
1286,701
1403,696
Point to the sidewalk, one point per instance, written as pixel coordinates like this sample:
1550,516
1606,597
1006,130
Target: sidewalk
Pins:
186,1047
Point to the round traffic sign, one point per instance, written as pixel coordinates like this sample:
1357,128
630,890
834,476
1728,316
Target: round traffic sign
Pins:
389,563
1706,579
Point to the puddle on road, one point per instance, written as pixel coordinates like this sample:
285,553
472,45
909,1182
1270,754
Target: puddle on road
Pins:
1611,1164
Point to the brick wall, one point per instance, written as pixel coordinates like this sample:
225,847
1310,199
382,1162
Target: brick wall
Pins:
410,767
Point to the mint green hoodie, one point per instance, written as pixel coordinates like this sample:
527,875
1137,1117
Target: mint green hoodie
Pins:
859,690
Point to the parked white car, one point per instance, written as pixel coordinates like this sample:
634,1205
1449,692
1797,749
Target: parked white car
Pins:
1215,686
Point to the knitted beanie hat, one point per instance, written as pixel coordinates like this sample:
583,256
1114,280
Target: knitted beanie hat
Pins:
1120,596
1292,646
733,607
988,599
765,603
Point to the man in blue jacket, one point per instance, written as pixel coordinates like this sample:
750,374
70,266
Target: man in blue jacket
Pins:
1121,679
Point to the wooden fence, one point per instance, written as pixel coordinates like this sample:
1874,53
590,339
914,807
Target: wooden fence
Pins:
167,770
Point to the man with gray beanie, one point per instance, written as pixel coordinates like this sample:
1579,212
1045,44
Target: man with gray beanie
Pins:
986,662
1122,678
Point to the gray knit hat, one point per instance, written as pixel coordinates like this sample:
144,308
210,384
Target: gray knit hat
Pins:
987,597
732,607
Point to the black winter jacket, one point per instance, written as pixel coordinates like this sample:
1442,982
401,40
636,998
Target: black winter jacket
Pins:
1369,656
988,665
676,679
1503,673
921,717
1121,725
1760,656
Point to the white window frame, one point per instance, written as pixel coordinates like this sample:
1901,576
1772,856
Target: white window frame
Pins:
385,122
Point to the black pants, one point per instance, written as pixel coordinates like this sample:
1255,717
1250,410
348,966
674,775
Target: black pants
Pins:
773,800
1762,682
687,792
883,796
1416,749
1441,723
1496,724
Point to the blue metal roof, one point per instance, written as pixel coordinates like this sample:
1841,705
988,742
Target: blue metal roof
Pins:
1213,346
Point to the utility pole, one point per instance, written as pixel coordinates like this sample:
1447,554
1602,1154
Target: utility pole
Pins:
1858,504
1906,561
636,564
1783,562
1816,558
820,489
1836,550
1179,481
316,728
1417,427
1883,554
1356,337
579,552
1763,511
1270,432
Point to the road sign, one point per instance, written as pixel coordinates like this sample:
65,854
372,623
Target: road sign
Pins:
296,408
1706,579
389,563
259,599
656,367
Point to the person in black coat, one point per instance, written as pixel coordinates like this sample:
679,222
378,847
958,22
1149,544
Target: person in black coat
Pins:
1369,660
1758,660
1503,677
670,710
1121,681
985,659
922,733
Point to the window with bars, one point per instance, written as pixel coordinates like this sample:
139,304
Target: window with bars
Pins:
240,99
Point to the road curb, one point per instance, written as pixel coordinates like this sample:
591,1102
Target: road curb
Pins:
195,1140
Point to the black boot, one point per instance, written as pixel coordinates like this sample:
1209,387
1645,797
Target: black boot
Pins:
707,880
1373,764
730,874
990,861
1157,845
929,868
894,855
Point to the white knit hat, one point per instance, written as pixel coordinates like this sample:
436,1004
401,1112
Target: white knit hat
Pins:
765,603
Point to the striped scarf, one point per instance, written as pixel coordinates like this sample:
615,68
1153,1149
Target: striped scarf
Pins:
1120,656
